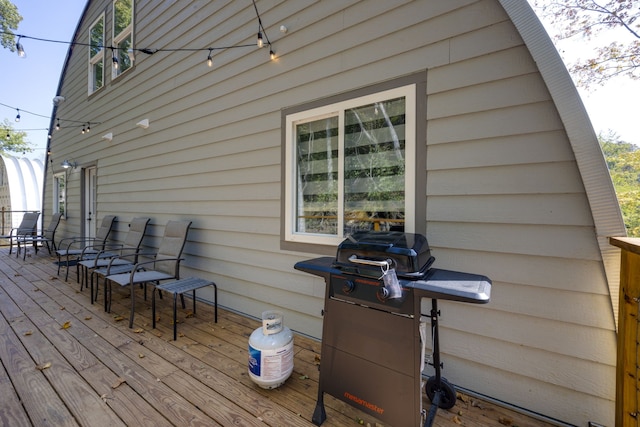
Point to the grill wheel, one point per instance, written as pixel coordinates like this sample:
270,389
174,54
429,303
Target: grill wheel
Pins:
448,396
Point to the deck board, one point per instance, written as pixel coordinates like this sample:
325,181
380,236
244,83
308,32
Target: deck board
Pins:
103,373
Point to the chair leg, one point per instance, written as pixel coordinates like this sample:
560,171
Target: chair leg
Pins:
133,304
175,317
153,309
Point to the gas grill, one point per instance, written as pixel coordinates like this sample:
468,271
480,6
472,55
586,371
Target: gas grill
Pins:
372,348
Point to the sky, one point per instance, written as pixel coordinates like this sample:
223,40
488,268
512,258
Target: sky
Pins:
30,83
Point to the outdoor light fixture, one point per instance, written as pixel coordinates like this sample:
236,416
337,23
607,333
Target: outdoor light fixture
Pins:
20,49
67,164
18,116
209,59
260,42
57,124
272,55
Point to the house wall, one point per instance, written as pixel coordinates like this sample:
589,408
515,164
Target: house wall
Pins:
504,193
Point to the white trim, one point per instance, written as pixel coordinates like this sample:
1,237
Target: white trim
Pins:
97,58
337,109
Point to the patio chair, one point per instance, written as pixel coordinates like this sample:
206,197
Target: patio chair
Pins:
27,227
47,237
71,248
114,254
165,265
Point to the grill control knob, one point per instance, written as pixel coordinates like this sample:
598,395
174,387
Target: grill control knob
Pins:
383,293
348,286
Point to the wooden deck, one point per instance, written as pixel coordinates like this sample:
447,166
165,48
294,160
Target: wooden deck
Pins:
66,362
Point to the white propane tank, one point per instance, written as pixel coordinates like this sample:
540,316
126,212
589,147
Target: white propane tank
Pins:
271,352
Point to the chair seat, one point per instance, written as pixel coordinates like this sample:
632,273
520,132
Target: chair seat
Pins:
104,261
181,286
124,279
65,252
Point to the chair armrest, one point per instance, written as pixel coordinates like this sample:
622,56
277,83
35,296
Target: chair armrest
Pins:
100,249
79,241
140,265
137,253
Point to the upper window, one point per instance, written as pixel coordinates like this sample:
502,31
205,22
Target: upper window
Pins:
122,36
96,55
350,166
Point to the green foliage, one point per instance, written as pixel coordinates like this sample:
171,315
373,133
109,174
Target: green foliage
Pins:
12,141
9,20
623,160
588,19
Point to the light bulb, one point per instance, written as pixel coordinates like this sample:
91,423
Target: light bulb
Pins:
260,42
18,116
209,60
20,49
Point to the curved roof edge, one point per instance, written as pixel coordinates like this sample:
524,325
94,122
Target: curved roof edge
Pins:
601,195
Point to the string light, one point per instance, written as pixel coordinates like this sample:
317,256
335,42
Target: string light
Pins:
85,125
20,49
262,40
114,59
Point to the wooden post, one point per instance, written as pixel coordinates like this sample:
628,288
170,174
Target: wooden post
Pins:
627,381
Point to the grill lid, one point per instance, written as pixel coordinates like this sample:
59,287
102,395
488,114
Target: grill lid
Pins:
408,253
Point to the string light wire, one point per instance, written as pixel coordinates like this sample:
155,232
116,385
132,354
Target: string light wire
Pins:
262,40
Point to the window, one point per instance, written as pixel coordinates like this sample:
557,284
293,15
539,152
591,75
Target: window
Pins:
59,193
122,36
96,55
350,166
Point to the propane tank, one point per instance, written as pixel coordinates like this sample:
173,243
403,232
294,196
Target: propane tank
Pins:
271,351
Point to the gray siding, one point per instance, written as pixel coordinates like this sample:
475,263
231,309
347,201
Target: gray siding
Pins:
505,194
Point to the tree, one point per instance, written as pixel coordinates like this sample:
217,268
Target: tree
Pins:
589,19
13,141
9,20
623,160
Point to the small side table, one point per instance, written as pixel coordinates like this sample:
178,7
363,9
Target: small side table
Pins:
178,287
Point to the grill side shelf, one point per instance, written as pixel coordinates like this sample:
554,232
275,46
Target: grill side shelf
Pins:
452,286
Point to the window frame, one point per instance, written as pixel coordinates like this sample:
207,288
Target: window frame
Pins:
413,88
120,37
60,193
97,58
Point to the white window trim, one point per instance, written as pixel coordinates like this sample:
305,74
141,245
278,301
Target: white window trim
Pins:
118,38
409,92
56,192
96,58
